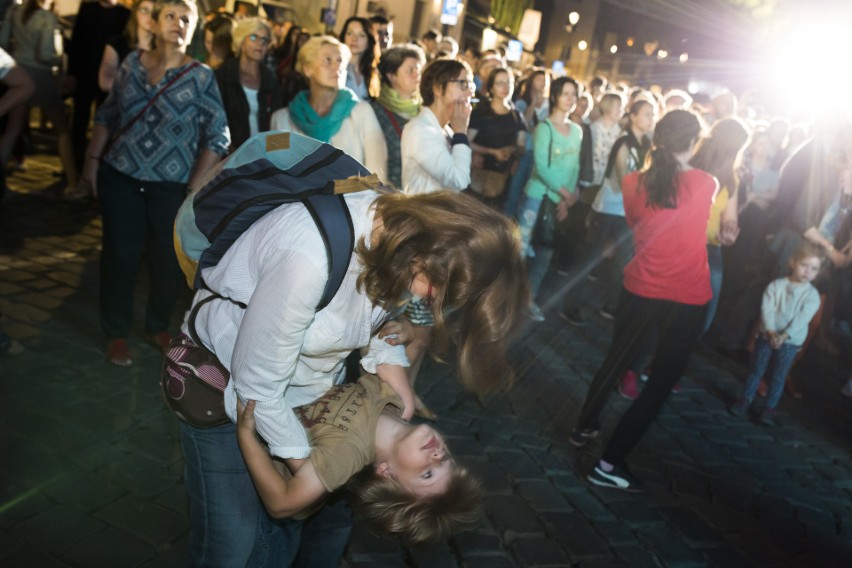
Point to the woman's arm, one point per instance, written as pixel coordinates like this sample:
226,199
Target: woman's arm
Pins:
397,378
108,68
282,497
206,160
729,227
94,155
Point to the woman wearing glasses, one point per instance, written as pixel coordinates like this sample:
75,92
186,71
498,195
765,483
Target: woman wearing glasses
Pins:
330,112
435,149
249,90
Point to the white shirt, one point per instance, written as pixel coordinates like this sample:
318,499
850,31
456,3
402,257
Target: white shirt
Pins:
279,350
360,136
429,162
254,107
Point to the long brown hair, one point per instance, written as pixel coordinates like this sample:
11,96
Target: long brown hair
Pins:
368,62
471,255
719,153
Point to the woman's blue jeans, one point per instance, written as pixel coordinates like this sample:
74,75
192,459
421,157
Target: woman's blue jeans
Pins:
517,184
714,259
229,525
781,360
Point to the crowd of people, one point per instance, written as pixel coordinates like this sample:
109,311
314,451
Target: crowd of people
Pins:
694,218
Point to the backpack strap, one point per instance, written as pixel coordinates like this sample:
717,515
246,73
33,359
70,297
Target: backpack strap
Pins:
334,222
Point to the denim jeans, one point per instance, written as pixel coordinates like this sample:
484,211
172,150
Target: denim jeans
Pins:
517,184
781,360
229,525
540,256
714,259
137,216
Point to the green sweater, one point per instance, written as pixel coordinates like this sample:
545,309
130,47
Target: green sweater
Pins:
557,161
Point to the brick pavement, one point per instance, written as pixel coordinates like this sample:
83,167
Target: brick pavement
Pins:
92,467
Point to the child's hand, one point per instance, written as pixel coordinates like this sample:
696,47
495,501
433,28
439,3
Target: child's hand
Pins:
245,416
397,332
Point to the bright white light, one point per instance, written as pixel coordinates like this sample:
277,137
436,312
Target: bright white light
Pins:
613,49
573,18
489,39
693,87
683,58
818,48
582,45
662,54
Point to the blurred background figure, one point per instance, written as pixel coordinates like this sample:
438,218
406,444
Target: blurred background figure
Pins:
248,88
138,34
362,75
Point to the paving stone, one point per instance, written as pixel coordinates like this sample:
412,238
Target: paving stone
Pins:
615,533
87,491
108,549
58,528
726,557
816,520
575,535
511,513
691,525
669,547
543,496
31,556
175,556
39,300
492,561
516,463
24,312
635,556
15,275
493,478
438,555
635,512
152,523
568,482
61,291
538,551
478,543
7,288
590,507
363,545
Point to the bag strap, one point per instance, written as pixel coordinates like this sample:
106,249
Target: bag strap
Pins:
394,122
153,99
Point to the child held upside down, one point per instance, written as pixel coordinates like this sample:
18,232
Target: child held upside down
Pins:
404,480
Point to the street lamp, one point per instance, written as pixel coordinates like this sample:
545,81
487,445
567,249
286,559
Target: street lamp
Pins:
573,18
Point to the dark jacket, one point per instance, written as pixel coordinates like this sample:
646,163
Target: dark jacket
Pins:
236,105
93,26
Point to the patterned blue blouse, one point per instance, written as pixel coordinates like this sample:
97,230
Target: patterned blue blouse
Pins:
164,143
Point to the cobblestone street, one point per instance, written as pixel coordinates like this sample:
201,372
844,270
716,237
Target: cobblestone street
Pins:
92,468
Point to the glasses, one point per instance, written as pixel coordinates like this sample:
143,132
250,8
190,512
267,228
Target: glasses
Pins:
262,39
464,84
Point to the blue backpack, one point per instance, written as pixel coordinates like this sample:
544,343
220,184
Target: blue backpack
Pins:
269,170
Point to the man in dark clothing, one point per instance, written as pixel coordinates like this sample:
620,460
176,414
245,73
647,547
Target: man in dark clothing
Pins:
96,22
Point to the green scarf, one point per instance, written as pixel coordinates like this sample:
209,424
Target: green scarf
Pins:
406,108
322,128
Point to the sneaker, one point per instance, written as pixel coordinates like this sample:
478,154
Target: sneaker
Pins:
627,387
618,478
767,417
535,313
607,312
847,389
573,316
160,340
118,353
739,408
581,436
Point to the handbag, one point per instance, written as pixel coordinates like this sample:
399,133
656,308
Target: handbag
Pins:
546,225
193,380
488,183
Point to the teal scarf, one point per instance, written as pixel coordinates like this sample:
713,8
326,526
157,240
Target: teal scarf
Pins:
322,128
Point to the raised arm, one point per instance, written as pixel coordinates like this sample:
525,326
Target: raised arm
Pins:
282,496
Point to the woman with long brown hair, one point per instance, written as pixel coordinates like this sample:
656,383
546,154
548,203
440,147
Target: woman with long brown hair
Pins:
362,74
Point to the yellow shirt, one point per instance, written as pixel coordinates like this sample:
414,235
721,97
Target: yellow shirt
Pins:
714,223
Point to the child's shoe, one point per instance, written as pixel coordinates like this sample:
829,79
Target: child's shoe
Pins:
739,408
767,417
628,387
